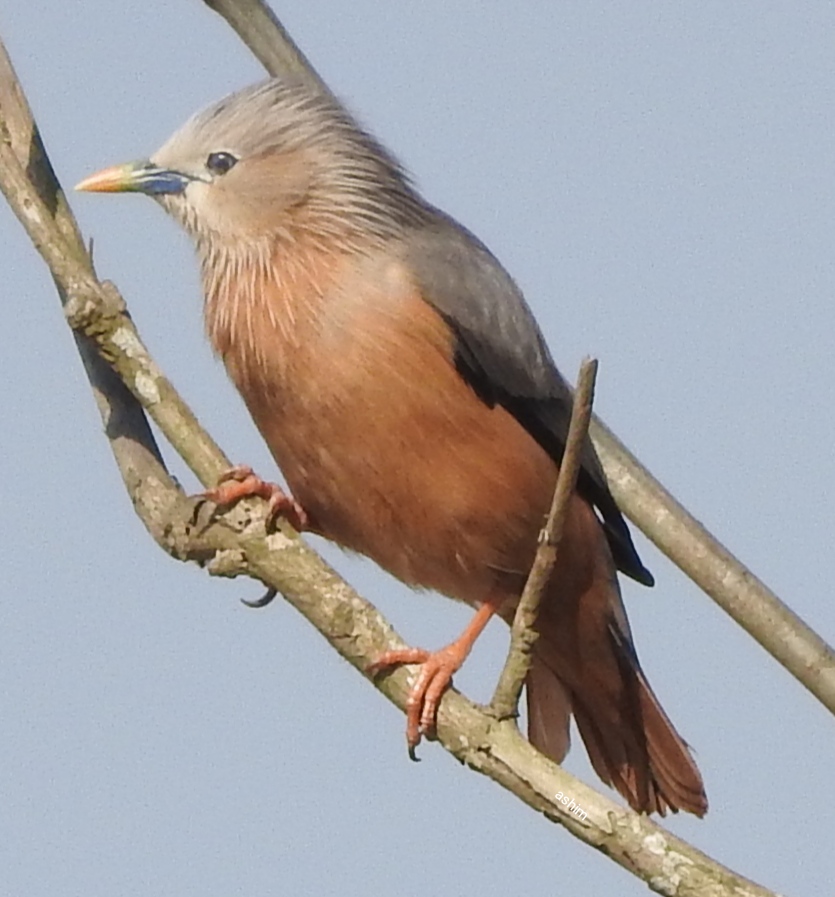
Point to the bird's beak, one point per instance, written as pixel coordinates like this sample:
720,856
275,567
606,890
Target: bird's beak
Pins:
135,177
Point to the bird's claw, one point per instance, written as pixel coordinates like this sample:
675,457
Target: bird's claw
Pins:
241,482
263,601
433,679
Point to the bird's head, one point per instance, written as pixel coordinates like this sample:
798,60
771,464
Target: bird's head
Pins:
280,157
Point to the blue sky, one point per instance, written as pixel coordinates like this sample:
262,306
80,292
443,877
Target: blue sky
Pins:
659,180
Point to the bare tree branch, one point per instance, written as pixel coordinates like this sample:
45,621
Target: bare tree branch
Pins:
94,310
236,544
641,497
33,192
259,28
714,569
523,634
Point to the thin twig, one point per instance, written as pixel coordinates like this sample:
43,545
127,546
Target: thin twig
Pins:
523,634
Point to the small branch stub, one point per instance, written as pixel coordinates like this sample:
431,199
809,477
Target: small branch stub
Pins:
523,635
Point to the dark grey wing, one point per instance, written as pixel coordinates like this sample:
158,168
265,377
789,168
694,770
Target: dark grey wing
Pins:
501,353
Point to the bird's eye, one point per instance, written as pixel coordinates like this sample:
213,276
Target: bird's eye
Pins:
220,163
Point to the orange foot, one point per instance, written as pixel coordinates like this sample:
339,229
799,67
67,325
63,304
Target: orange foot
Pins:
240,482
435,676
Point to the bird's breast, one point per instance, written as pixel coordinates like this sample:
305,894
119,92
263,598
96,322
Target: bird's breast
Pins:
349,375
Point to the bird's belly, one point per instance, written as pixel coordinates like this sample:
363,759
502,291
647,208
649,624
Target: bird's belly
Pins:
394,456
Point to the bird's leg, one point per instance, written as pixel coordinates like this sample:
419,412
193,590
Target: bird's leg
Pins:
241,482
436,671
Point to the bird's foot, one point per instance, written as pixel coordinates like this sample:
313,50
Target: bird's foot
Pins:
241,482
434,677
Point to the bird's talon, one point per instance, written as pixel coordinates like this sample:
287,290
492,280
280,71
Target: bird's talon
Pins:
240,482
396,658
238,472
283,505
433,679
263,601
199,502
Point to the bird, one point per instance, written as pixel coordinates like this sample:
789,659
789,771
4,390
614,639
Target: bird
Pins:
407,395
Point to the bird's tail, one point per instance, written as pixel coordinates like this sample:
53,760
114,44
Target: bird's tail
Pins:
584,662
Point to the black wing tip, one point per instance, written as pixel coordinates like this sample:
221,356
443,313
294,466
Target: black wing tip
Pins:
628,562
624,553
643,576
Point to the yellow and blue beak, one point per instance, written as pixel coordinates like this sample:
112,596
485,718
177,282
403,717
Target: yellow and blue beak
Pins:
136,177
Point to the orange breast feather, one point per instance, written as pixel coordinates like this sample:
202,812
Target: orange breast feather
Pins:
349,376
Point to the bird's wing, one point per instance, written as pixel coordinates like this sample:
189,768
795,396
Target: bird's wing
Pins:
501,353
